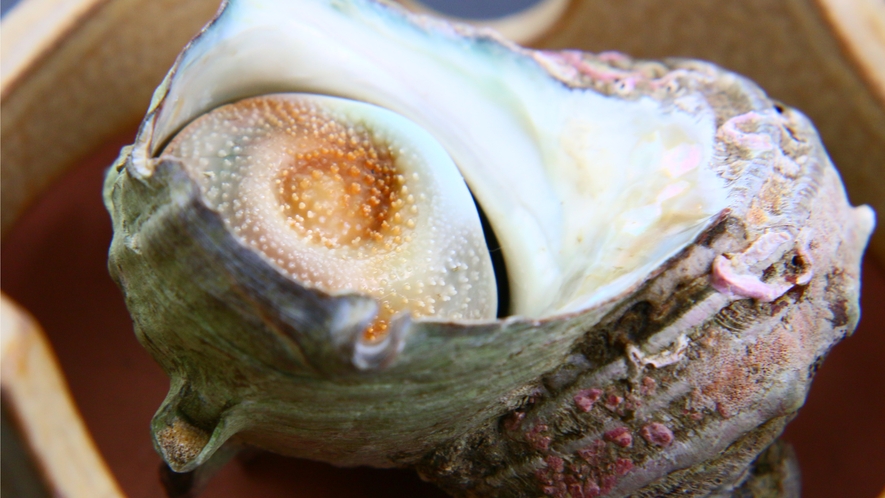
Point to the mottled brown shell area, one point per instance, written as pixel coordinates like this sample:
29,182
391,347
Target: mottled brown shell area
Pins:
682,385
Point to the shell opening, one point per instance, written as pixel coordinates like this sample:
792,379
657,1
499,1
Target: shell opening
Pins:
345,197
588,193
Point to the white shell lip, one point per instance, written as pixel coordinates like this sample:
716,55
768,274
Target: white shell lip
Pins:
583,211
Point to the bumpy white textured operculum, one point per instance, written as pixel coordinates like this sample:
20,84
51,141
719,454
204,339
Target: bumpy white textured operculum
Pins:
586,193
345,197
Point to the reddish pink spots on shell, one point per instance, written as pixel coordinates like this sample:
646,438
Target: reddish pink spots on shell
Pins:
612,56
585,399
632,403
607,483
620,436
726,280
725,409
591,453
732,132
697,415
536,439
591,489
694,415
648,387
575,59
555,463
623,465
613,401
657,434
553,482
513,421
576,490
552,491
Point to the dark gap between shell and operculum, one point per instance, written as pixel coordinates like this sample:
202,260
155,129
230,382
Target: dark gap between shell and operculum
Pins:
345,197
498,262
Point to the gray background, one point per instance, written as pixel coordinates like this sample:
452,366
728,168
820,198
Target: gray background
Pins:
470,9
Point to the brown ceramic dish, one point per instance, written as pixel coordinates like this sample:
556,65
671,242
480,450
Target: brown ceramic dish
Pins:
833,54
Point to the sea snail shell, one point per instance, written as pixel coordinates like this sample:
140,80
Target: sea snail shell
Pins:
679,254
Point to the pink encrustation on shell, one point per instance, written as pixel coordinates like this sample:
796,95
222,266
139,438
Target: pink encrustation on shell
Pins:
658,344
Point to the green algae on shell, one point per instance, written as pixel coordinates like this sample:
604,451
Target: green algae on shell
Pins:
679,250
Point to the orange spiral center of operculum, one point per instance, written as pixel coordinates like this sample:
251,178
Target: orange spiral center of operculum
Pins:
349,194
342,189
